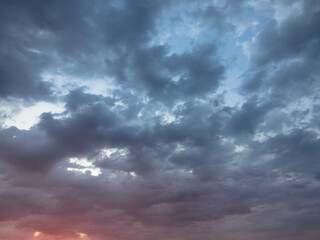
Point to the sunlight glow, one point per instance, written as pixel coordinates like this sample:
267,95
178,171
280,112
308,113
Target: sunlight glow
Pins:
37,234
82,235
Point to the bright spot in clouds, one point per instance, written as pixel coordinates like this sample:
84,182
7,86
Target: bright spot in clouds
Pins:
133,174
84,166
83,235
65,83
239,148
37,234
109,152
29,116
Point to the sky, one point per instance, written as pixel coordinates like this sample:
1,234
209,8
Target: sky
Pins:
160,119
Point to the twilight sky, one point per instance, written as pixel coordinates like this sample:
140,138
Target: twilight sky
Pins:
160,119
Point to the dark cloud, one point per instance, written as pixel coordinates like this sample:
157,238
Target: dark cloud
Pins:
247,119
292,38
284,57
168,78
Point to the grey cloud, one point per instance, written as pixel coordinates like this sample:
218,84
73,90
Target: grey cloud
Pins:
298,151
290,39
59,38
51,36
197,72
246,120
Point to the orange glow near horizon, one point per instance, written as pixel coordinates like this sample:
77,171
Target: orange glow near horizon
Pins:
37,234
83,235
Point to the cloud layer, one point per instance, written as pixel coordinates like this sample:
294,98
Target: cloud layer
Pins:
173,120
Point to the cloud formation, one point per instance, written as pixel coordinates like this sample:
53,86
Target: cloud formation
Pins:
181,120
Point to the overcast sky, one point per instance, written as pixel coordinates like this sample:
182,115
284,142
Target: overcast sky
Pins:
160,119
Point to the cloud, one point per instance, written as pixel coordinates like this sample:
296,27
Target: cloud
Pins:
146,145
